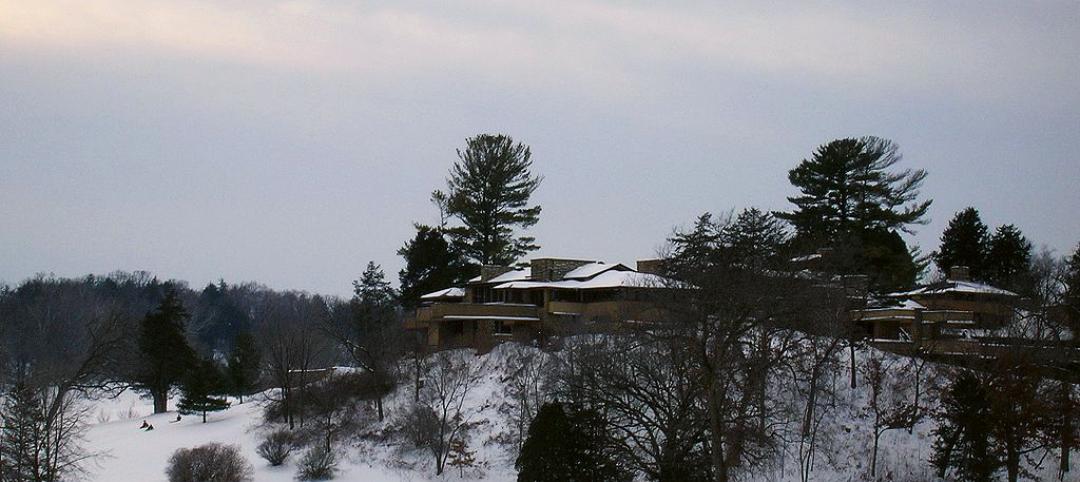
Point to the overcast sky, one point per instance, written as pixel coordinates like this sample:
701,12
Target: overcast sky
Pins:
290,142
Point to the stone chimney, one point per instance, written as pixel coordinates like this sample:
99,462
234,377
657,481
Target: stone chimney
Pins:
959,273
488,272
553,269
651,266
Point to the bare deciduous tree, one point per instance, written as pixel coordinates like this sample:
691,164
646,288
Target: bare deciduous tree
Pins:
294,347
888,405
647,390
527,388
733,289
440,416
59,344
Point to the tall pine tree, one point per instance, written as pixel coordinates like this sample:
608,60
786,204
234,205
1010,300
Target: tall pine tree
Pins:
853,201
373,334
490,187
964,242
1008,262
848,187
165,355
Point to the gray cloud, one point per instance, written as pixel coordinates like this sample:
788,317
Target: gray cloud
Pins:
289,142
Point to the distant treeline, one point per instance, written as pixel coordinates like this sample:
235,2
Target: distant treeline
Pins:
218,312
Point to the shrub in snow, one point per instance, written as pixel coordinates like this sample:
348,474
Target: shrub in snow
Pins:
567,446
317,464
276,447
212,462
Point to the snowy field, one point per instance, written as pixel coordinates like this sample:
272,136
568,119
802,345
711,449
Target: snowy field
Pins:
129,454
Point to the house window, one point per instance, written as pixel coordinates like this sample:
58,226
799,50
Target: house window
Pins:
455,327
502,328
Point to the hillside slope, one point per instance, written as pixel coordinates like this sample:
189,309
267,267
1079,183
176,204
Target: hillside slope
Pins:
129,454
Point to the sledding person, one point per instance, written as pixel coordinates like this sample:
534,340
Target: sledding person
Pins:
177,419
149,427
144,424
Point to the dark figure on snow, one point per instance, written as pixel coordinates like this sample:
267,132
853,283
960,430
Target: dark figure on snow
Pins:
144,424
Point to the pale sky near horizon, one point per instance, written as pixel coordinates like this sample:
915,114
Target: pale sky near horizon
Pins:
289,142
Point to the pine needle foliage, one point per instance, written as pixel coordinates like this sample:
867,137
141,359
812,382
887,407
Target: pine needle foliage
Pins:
201,388
490,187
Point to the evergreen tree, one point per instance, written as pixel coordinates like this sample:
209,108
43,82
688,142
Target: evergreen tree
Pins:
217,317
372,289
888,261
852,201
165,355
489,194
461,457
1008,263
847,188
24,438
201,388
964,431
758,237
964,242
431,264
244,365
562,447
373,334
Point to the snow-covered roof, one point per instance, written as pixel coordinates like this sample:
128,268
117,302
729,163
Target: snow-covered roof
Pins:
604,280
592,269
956,286
911,305
515,275
624,279
453,292
905,305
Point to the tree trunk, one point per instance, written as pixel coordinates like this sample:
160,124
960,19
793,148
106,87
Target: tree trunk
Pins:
161,400
204,416
918,386
851,351
873,458
762,388
439,461
286,401
378,406
716,433
329,431
416,384
1012,463
1066,429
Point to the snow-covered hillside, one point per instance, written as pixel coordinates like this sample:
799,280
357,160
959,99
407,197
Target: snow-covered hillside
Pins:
129,454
